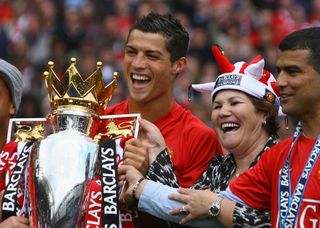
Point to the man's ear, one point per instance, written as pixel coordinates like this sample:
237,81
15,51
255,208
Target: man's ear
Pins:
179,65
12,109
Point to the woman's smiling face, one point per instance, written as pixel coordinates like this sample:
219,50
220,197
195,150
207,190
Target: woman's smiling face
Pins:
236,120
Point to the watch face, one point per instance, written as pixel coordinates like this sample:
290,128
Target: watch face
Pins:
214,210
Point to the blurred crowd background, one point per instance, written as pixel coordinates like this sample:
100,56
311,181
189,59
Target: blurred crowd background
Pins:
32,32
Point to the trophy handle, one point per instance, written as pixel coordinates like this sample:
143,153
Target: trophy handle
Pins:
119,126
26,129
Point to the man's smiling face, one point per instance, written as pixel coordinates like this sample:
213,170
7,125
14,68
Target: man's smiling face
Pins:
148,71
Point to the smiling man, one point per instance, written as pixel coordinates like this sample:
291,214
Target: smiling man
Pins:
155,55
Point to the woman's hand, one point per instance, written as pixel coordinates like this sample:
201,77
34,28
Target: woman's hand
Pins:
152,138
136,155
197,203
128,177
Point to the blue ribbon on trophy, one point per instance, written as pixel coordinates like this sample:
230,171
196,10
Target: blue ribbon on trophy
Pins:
67,150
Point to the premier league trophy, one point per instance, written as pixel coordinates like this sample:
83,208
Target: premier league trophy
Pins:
63,164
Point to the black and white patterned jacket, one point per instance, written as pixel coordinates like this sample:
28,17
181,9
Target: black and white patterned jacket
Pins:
216,178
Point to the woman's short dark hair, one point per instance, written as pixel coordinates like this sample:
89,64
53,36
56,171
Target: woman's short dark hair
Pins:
272,125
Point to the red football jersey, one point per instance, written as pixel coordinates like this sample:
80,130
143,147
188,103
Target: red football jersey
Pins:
259,186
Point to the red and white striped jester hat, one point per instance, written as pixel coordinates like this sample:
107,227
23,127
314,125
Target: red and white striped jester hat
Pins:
250,78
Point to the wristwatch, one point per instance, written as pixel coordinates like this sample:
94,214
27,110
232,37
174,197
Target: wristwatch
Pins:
214,210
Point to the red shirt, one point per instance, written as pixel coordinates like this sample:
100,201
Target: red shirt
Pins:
259,186
191,142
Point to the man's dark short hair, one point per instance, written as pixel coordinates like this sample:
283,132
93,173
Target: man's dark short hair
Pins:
307,39
177,37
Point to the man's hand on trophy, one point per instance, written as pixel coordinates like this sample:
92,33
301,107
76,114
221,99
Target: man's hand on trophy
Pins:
152,138
133,181
136,155
124,198
15,222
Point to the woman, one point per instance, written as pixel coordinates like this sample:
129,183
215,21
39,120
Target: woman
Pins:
245,106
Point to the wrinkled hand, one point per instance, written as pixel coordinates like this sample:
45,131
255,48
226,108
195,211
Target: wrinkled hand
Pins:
136,155
141,152
15,222
197,203
152,138
127,177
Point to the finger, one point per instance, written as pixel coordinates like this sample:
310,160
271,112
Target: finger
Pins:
123,190
175,211
121,177
133,151
184,191
130,162
179,197
135,163
146,125
140,159
120,183
123,169
123,193
133,142
153,136
139,155
123,141
186,219
151,130
131,173
142,167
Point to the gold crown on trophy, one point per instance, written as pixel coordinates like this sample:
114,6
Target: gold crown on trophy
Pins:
72,92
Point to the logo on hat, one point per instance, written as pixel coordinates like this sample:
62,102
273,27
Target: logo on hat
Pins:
229,79
269,96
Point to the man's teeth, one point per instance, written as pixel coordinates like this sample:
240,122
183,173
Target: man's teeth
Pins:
140,77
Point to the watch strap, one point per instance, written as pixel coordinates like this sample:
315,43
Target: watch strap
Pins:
215,208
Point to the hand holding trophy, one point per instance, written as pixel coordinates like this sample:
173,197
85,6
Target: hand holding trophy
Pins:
55,173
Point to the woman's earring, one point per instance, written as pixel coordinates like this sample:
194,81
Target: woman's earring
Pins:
286,122
189,93
264,123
